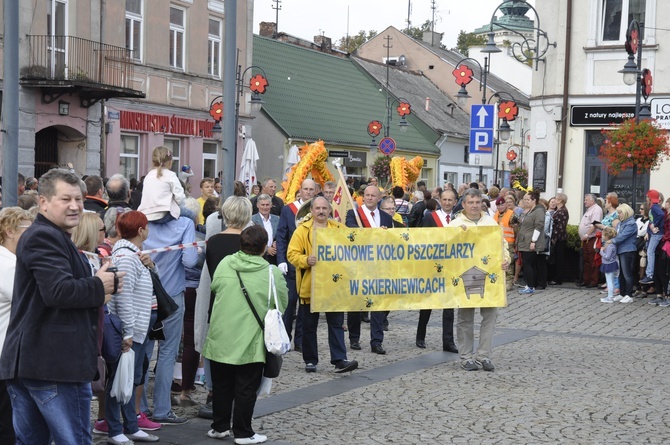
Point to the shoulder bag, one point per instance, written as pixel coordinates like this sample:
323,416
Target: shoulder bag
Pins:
273,362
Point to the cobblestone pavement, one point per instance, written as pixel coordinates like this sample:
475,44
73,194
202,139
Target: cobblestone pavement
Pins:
569,369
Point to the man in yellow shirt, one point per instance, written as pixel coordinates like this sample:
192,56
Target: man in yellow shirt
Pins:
206,192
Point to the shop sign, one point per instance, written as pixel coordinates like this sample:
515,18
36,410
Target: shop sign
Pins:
135,121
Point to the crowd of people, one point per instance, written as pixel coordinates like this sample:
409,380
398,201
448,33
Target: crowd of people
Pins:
79,252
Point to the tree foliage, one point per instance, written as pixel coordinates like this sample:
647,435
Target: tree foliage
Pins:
349,45
466,40
417,33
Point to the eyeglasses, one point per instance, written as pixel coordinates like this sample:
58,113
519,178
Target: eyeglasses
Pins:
101,230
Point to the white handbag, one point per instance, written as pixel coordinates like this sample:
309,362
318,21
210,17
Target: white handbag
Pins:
277,341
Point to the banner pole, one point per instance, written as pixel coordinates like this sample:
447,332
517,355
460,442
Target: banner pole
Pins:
347,194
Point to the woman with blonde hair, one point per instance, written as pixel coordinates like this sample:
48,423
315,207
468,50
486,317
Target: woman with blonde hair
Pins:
88,235
13,222
626,250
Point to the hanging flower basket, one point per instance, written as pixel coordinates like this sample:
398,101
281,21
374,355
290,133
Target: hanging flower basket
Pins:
519,176
643,145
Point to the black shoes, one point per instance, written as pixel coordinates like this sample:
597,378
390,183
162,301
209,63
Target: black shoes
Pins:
378,349
310,367
421,344
365,318
355,345
345,366
450,347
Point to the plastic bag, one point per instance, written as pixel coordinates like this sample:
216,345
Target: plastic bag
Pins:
122,388
277,341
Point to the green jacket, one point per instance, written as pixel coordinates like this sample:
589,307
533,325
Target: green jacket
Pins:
234,336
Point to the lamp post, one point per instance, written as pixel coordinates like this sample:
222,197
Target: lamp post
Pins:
507,109
634,74
257,85
404,108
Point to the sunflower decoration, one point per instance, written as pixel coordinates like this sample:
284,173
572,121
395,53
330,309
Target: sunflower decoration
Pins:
403,172
313,159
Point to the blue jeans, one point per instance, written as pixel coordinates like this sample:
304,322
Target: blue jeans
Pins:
167,356
335,320
149,351
651,253
45,410
113,406
627,273
609,278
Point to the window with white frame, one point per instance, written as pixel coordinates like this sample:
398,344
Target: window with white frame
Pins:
175,146
214,48
467,178
57,46
134,28
617,15
177,32
209,160
451,177
129,156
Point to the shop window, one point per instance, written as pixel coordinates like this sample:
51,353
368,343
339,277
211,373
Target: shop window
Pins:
129,157
175,146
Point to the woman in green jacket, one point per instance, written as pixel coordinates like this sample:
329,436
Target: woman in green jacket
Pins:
235,345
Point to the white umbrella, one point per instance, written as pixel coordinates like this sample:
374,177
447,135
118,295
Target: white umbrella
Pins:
248,166
292,159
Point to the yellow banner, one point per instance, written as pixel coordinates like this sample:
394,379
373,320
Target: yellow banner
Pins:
404,269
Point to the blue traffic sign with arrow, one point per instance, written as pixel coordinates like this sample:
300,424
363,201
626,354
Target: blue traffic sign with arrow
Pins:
482,119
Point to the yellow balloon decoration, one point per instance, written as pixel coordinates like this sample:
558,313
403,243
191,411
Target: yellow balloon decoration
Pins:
404,172
313,158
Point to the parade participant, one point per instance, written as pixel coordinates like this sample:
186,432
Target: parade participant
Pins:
13,223
270,222
206,192
329,190
234,343
387,205
54,289
171,265
301,256
507,219
472,216
269,188
284,233
439,218
587,233
370,216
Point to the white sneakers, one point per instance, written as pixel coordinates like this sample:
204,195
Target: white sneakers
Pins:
627,299
607,300
214,434
618,298
256,438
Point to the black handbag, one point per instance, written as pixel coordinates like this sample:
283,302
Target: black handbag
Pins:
166,307
273,362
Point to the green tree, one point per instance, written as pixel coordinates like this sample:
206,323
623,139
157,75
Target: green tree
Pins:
349,45
466,40
417,33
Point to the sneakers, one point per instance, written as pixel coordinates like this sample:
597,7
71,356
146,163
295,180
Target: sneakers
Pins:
656,301
647,280
256,438
627,299
144,423
617,298
100,427
607,300
345,366
214,434
486,365
141,436
470,365
527,290
199,379
170,419
309,367
520,284
664,303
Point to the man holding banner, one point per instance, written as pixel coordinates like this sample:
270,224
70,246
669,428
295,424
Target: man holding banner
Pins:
473,216
439,218
301,256
370,216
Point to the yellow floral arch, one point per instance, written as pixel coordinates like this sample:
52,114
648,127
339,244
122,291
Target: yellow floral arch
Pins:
313,158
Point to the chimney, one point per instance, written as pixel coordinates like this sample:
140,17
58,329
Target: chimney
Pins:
325,42
267,29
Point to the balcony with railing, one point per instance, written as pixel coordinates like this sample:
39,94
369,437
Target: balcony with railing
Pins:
67,64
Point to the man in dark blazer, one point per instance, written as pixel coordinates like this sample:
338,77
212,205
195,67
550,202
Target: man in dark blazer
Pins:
284,233
49,357
439,218
269,188
270,222
370,216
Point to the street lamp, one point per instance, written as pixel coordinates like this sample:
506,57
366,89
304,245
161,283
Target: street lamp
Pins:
634,73
257,85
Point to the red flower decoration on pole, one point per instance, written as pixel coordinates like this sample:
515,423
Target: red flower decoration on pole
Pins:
511,155
462,74
216,111
634,40
642,144
647,83
258,83
374,128
507,110
404,109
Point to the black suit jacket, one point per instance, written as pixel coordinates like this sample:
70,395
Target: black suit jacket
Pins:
384,219
284,233
52,333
